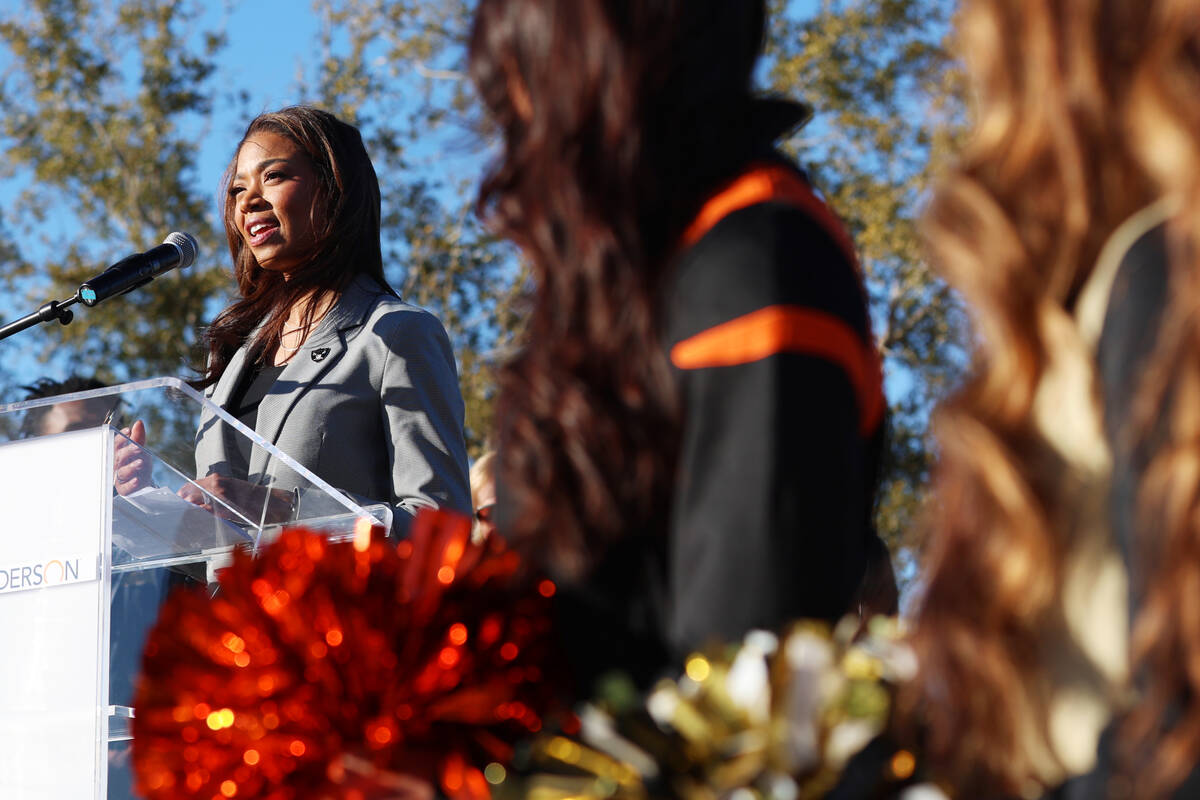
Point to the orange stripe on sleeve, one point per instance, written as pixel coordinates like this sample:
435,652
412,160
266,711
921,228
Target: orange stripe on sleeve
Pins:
763,185
791,329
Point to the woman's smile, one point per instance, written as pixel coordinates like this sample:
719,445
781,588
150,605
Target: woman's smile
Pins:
273,190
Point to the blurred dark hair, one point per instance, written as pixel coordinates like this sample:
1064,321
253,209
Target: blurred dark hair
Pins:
619,117
346,220
48,387
33,421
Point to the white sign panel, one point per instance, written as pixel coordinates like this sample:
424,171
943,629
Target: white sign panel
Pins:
53,504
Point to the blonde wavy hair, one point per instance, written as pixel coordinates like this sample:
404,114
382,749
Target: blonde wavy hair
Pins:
1085,112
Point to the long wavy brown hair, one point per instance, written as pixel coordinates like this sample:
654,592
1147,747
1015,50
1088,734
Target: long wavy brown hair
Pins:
346,222
617,117
1055,164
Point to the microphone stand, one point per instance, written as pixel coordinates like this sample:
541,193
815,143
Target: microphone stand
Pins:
52,310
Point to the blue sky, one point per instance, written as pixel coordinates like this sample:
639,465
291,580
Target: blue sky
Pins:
269,73
271,43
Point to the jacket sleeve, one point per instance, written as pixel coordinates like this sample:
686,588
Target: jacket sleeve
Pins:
771,515
423,418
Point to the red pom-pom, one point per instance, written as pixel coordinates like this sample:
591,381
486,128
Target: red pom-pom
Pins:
343,670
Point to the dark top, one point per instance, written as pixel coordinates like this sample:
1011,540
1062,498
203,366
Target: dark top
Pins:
243,404
1131,327
771,519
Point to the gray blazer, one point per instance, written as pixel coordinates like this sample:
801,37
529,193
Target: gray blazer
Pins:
370,404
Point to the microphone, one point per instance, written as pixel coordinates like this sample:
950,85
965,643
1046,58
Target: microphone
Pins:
177,250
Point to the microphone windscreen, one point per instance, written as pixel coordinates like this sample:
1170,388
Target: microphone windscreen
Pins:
187,247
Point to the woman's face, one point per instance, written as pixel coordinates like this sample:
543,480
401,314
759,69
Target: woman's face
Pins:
485,504
274,186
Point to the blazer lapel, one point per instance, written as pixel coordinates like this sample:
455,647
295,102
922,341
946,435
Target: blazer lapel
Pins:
305,369
211,436
324,348
229,378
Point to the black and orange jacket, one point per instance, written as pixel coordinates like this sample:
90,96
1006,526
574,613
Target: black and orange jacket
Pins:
768,330
766,324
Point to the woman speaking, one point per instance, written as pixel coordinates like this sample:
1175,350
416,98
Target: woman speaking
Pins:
318,354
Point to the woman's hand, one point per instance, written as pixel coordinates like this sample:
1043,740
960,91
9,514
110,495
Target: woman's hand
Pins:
131,466
241,496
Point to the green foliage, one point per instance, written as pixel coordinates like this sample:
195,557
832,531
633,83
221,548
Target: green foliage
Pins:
98,115
102,109
889,107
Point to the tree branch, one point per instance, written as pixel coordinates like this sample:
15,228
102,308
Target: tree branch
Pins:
439,74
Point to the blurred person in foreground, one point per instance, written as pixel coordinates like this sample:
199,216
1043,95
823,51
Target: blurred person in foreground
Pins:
689,438
1066,504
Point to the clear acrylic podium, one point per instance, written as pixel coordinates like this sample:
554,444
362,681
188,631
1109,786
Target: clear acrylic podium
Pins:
84,570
